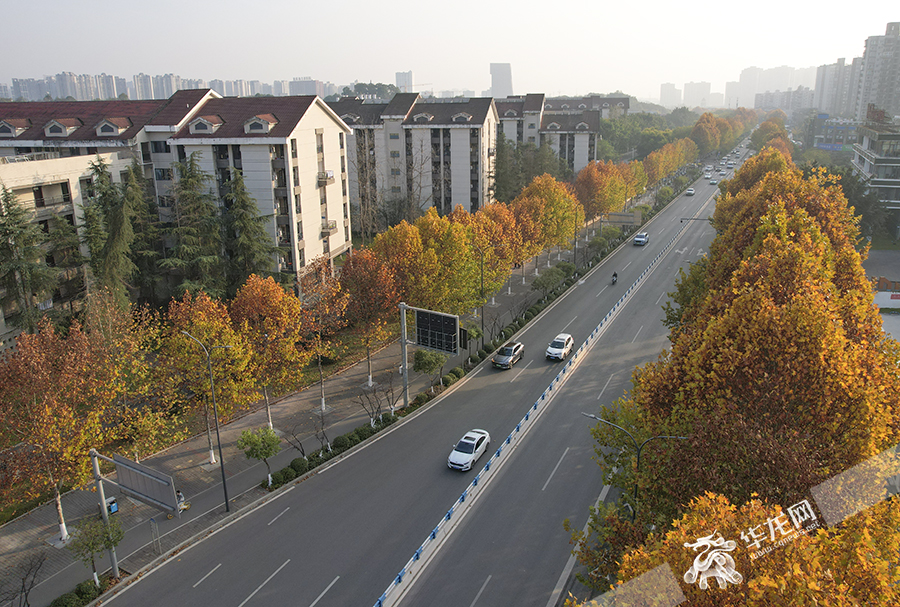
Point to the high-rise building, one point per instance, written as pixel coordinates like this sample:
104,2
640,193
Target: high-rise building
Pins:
106,87
879,81
405,82
143,86
733,94
121,86
218,86
501,80
307,86
669,96
696,94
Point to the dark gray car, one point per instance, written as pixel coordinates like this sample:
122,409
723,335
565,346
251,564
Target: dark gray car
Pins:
508,355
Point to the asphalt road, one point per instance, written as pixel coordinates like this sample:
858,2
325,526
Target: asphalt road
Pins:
340,537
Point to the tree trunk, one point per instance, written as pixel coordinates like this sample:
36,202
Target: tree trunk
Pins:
268,411
369,360
63,532
212,454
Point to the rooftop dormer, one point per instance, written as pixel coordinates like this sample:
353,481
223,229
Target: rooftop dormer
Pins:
423,117
61,127
260,124
110,127
461,117
205,125
13,127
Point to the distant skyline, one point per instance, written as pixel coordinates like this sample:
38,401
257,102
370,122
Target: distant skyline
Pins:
586,47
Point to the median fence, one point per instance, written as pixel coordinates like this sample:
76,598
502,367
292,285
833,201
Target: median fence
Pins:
404,578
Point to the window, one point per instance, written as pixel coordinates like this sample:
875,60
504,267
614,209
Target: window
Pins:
201,126
5,130
394,135
395,154
341,140
55,129
293,148
91,151
395,189
531,125
395,172
256,126
163,174
159,147
107,128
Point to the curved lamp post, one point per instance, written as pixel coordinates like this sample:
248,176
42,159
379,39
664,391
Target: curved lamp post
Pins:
636,448
212,389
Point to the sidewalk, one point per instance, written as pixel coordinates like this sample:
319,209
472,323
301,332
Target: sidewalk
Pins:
36,533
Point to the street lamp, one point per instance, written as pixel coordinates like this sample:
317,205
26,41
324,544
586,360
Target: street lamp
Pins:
638,449
212,390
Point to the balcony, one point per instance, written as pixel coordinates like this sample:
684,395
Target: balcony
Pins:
325,178
278,163
329,227
29,157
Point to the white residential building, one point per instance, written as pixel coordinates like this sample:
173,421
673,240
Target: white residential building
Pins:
430,152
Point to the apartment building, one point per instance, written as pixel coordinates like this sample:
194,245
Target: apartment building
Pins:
520,118
879,78
292,151
434,152
877,159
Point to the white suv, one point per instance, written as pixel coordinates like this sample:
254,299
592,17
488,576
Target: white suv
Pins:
560,347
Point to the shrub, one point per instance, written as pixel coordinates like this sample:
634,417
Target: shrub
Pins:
277,478
528,316
287,474
352,439
566,268
448,380
458,372
482,354
69,599
533,310
387,419
364,432
314,460
87,591
420,400
341,443
496,343
299,465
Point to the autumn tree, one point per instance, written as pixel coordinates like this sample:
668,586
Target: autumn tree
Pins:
325,304
92,538
401,248
249,246
182,374
374,297
56,403
273,322
196,262
23,271
562,213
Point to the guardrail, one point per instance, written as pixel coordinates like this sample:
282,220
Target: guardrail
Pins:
432,543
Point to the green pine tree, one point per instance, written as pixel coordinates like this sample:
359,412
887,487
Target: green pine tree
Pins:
69,265
249,245
196,260
25,276
146,249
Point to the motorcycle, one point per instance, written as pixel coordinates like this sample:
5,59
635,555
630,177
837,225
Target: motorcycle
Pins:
614,279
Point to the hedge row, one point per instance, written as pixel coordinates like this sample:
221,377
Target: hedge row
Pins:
300,466
84,593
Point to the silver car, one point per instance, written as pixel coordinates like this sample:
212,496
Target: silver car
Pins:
469,448
508,355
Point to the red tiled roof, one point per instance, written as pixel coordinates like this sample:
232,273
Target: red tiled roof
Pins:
34,115
212,119
121,122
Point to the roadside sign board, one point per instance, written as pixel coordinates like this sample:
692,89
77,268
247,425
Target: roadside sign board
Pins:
437,331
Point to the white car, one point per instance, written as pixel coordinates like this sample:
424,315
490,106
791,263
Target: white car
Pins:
469,448
560,347
641,239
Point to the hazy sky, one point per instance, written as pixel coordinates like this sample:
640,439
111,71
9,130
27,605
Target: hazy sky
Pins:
571,48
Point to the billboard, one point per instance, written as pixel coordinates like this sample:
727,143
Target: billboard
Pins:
437,331
145,484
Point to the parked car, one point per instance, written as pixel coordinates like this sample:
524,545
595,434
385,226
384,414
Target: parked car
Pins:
508,355
560,347
469,448
641,239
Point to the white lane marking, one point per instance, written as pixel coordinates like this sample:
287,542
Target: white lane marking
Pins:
207,575
258,588
569,323
661,295
638,333
555,468
319,598
626,265
522,370
483,586
605,386
279,516
601,291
